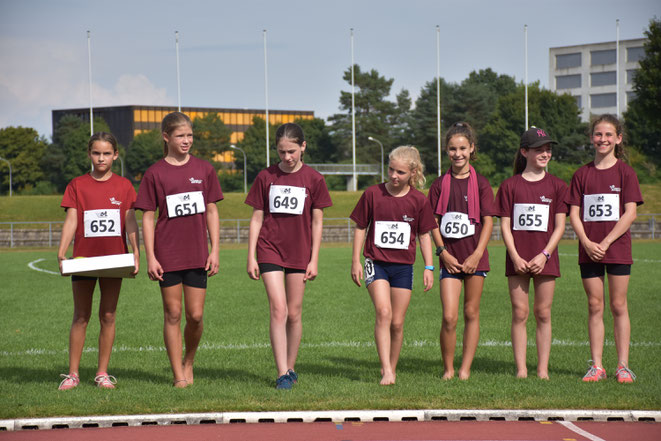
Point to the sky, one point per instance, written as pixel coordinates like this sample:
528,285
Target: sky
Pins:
44,55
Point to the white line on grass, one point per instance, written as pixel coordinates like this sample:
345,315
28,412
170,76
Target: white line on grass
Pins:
32,265
329,344
574,428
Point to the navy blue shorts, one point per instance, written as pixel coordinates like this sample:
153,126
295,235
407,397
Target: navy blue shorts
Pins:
460,276
597,269
399,275
196,278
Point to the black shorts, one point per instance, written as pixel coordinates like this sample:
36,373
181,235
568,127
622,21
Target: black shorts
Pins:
196,278
268,267
596,269
75,278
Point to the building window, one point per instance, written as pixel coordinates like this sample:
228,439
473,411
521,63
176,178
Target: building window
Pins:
603,57
567,81
631,73
603,100
579,101
602,78
635,54
565,61
630,97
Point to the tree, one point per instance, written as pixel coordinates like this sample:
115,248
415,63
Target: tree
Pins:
211,136
67,157
376,116
254,144
557,114
23,148
642,119
321,148
145,149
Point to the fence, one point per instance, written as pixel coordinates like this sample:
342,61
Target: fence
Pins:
47,234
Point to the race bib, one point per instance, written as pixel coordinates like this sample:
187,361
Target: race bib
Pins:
102,223
392,234
601,207
530,217
369,272
185,204
286,199
455,225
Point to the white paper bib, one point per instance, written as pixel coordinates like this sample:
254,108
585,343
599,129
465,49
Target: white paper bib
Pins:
392,234
185,204
456,225
286,199
530,217
601,207
102,223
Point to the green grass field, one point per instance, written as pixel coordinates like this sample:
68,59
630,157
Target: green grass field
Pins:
338,364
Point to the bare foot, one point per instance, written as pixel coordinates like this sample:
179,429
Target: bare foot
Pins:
188,373
387,379
522,374
543,375
464,375
448,375
180,384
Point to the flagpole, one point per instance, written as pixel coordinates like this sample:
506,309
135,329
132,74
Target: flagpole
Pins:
438,94
353,120
525,75
89,75
266,99
176,44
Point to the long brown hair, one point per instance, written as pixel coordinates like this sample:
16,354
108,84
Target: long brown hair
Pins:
170,123
620,153
464,129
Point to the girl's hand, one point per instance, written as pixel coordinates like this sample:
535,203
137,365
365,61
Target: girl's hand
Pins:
356,272
428,279
450,263
594,250
470,264
212,264
154,269
311,271
253,268
537,264
520,265
136,258
59,261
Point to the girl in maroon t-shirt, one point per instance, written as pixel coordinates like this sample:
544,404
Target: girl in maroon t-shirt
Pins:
388,218
463,202
184,189
285,234
532,207
100,214
603,199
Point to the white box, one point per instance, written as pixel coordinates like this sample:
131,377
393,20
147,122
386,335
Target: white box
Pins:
115,265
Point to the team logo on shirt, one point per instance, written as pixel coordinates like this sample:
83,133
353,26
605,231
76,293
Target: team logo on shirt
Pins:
115,201
614,188
407,219
545,199
466,198
195,181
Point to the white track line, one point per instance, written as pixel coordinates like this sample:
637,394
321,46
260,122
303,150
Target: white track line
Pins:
574,428
31,265
330,344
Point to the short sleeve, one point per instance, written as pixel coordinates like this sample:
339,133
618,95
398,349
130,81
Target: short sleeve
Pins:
69,200
487,205
146,199
504,200
255,196
321,197
361,214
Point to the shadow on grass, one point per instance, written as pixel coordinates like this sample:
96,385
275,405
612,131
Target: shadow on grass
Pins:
23,375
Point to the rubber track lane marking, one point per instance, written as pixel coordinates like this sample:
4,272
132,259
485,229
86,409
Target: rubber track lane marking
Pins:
574,428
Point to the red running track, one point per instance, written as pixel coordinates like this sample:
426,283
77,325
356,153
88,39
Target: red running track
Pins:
357,431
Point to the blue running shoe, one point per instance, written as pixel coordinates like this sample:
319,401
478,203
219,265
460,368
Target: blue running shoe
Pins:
284,382
293,375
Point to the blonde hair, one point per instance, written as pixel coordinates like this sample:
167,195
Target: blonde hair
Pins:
171,122
411,156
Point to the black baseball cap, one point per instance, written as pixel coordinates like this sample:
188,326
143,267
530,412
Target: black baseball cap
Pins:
535,137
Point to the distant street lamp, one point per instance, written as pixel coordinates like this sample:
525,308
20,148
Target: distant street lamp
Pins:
3,159
245,161
121,163
379,142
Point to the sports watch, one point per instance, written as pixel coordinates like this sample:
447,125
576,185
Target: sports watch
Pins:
439,250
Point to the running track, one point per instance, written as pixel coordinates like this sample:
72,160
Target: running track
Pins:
358,431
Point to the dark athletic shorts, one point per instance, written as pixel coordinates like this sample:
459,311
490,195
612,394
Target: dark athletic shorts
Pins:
461,276
268,267
596,269
196,278
399,275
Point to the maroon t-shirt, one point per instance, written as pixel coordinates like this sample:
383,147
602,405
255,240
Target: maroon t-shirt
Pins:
385,215
619,179
180,238
286,238
549,191
106,202
462,248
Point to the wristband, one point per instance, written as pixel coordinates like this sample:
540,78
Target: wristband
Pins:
429,267
546,253
439,250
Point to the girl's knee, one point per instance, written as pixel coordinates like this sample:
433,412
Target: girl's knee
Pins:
520,315
397,327
471,313
383,314
543,315
450,322
107,318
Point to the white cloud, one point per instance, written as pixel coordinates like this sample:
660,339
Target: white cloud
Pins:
37,76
